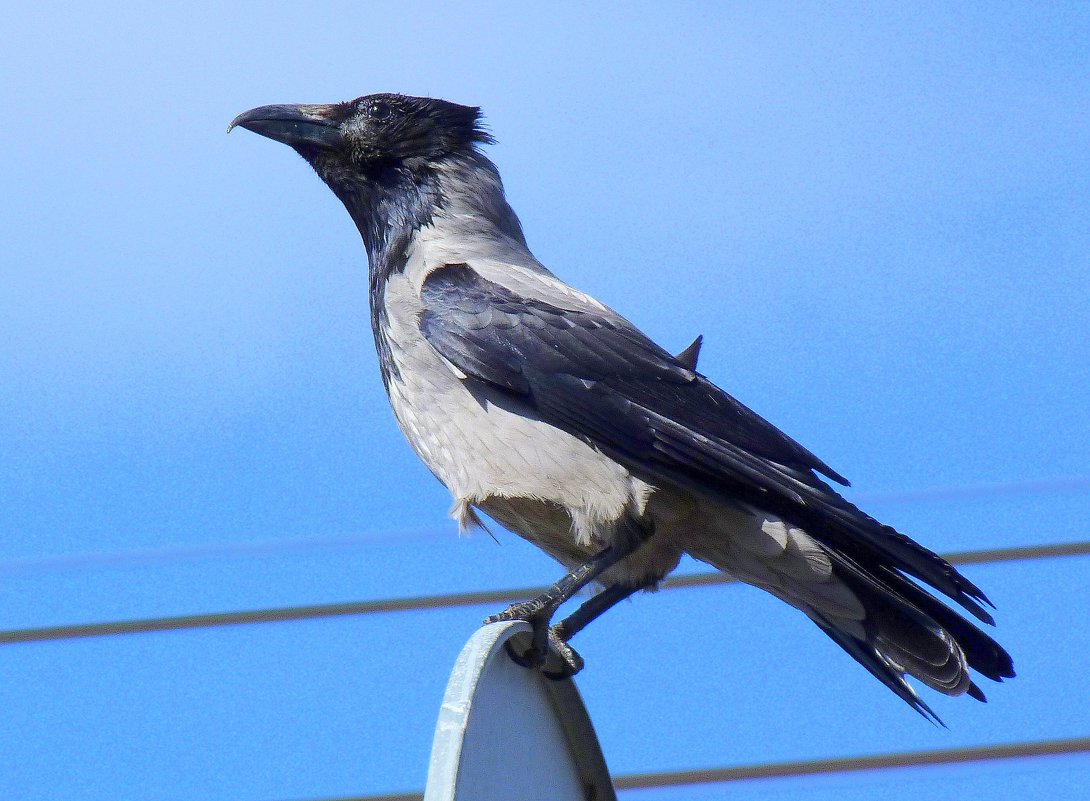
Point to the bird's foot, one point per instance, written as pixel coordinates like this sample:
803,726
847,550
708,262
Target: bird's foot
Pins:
538,613
548,652
556,661
569,660
528,611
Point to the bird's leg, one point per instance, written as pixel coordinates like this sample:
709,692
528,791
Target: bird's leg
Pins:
576,622
538,612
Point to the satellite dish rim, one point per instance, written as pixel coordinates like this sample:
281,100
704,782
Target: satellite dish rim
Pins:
485,646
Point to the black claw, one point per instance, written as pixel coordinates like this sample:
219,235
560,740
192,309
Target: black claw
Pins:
538,614
530,658
547,646
570,661
528,611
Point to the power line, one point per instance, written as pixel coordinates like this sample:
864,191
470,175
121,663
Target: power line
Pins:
447,601
910,759
975,557
818,767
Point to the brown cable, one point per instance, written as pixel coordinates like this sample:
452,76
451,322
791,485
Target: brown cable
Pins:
425,602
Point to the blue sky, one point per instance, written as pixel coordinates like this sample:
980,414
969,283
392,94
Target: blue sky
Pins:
877,215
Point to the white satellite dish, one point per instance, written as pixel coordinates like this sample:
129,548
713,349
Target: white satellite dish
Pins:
506,733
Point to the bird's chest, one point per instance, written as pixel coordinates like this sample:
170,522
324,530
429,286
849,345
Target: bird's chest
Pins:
432,408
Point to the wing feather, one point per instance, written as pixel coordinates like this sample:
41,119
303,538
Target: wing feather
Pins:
592,373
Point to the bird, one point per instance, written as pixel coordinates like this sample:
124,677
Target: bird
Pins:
549,412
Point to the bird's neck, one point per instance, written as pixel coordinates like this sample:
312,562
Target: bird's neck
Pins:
391,207
459,200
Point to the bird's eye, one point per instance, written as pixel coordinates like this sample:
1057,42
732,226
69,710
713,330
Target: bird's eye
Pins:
379,110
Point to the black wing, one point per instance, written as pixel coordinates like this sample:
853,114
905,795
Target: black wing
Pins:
596,376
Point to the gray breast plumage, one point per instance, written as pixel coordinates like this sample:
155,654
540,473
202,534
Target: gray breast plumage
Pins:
538,480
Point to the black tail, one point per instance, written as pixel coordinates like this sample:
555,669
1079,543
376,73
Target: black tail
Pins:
908,631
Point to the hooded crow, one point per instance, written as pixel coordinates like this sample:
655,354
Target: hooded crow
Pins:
545,409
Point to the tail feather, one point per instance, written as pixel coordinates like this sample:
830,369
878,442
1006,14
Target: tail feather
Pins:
908,631
904,635
879,667
983,654
864,601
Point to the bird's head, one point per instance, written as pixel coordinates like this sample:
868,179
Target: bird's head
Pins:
393,161
371,134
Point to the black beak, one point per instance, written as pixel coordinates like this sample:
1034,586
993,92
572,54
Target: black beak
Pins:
301,125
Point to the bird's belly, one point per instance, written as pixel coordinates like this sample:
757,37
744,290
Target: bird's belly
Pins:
481,446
